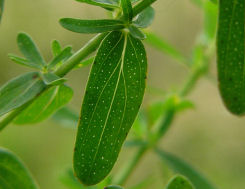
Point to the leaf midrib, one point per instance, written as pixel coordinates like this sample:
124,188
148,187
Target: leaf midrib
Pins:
112,101
92,115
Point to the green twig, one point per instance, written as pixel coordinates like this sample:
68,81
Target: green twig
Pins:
74,60
81,54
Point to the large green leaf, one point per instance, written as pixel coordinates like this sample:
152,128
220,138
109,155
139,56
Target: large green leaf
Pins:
30,51
102,3
13,173
179,182
231,54
91,26
113,97
45,105
127,10
181,167
19,91
1,8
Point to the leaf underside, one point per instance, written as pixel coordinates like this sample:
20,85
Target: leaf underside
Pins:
231,42
13,174
19,91
113,97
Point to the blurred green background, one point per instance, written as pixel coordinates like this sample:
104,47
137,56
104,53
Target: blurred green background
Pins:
208,136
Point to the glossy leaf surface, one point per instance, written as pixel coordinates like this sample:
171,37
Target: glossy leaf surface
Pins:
13,173
127,10
145,18
181,167
179,182
91,26
45,105
29,50
113,97
231,54
19,91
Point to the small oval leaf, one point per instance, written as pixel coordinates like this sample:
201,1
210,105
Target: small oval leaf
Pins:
19,91
231,54
112,100
56,47
30,50
179,182
13,173
91,26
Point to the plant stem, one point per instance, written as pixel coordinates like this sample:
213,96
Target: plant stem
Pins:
141,6
81,54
